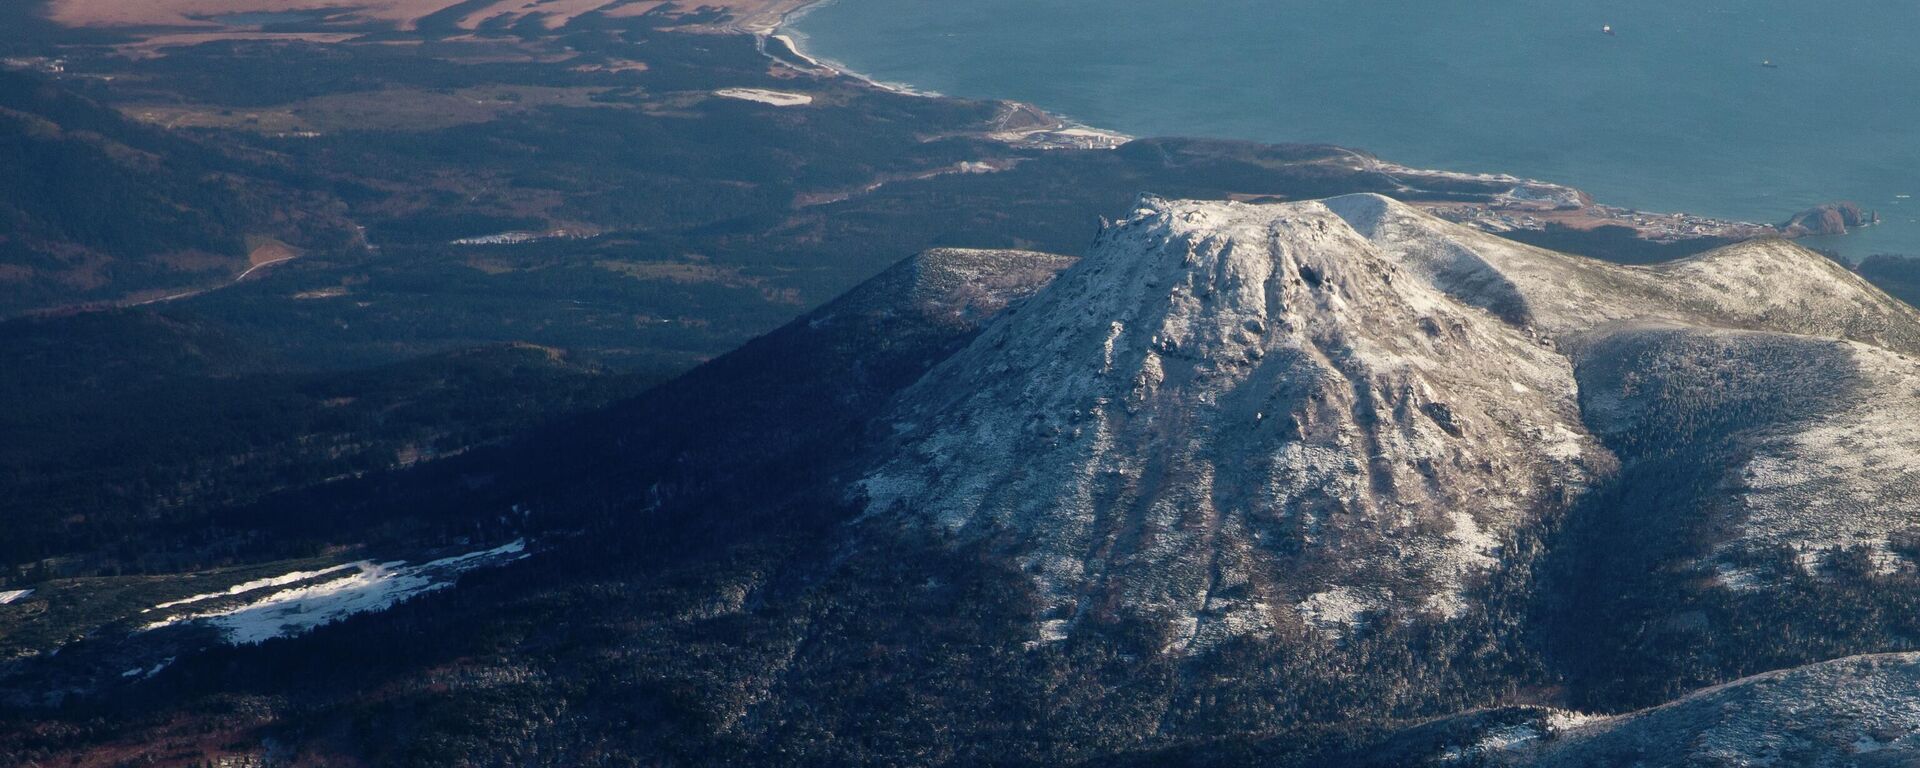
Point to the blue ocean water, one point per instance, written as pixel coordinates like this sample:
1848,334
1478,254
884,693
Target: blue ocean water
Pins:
1673,112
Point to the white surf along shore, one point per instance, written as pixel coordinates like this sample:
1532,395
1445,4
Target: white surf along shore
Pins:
783,32
1066,132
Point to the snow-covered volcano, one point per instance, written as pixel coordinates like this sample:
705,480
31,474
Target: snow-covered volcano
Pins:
1237,418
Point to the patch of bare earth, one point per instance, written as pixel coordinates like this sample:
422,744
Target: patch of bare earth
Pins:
266,250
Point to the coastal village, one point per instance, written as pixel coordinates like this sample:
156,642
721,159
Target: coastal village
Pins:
1533,205
1517,215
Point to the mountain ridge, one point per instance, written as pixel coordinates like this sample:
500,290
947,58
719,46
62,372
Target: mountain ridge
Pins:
1444,375
1245,477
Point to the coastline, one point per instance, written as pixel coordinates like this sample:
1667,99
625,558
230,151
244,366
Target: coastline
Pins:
781,30
1532,205
792,40
1062,132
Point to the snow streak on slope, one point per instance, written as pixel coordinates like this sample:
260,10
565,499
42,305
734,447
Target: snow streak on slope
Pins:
249,586
365,586
1229,416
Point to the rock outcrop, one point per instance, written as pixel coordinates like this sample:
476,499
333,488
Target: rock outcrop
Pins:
1829,219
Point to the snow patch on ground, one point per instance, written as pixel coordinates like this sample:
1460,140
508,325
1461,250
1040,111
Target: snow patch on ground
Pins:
363,587
13,595
1338,610
1738,578
764,96
1562,719
1508,738
1476,543
249,586
143,674
1500,741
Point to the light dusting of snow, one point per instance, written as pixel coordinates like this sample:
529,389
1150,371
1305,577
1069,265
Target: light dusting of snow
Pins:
1822,714
361,587
1216,378
1561,443
1471,539
1737,578
1492,743
1845,480
1225,406
1338,610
